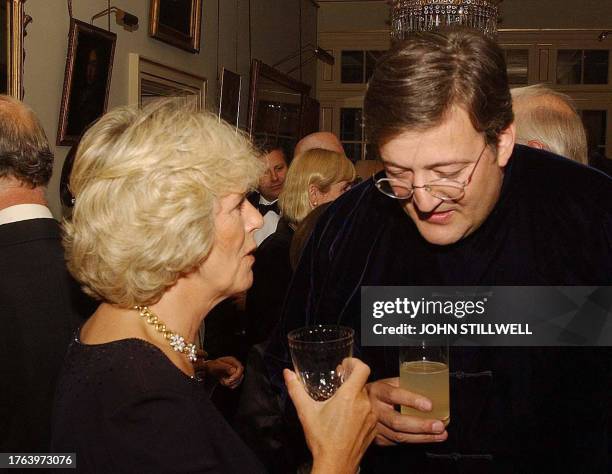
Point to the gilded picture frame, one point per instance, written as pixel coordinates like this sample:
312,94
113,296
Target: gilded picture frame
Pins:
176,22
151,80
276,107
89,65
13,22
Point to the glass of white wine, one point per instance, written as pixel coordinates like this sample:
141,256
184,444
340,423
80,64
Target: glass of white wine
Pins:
318,353
424,370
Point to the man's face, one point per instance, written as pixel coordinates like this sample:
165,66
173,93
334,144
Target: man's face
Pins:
448,151
271,184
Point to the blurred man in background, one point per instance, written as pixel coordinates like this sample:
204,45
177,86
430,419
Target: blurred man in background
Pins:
270,186
547,119
40,304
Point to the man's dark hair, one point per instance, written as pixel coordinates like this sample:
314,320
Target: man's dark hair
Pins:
24,148
266,144
416,83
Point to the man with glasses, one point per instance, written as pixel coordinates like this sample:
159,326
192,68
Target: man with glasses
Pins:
459,204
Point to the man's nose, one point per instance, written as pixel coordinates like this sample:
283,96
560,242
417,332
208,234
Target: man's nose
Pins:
424,201
273,175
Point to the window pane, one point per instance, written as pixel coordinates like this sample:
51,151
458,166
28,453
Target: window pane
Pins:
353,151
351,124
517,62
569,65
289,120
352,67
268,117
371,58
595,123
596,66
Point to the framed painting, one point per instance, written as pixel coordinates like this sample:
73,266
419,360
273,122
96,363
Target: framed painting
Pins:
229,100
276,107
87,79
13,21
150,80
177,22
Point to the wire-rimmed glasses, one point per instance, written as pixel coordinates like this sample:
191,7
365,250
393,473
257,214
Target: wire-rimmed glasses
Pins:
443,189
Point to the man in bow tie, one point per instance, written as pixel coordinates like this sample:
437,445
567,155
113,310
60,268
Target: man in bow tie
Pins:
270,186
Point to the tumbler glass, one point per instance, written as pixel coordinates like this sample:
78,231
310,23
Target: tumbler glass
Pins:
424,370
318,353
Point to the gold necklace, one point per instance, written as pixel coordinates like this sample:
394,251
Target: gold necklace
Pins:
176,341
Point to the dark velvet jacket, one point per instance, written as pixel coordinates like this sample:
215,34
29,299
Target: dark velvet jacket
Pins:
512,409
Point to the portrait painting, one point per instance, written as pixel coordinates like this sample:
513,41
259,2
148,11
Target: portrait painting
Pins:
177,22
4,60
13,23
87,79
229,101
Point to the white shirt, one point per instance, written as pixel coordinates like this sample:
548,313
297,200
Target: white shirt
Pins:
270,222
24,212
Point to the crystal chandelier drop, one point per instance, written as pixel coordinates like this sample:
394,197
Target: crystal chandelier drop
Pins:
425,15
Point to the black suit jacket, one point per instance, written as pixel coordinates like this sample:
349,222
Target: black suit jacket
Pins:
271,277
40,306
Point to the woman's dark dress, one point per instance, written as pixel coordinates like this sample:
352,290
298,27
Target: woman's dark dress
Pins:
124,407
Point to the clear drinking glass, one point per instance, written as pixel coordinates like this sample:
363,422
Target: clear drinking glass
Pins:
424,370
318,353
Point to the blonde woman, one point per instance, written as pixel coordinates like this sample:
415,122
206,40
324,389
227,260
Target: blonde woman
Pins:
315,177
161,232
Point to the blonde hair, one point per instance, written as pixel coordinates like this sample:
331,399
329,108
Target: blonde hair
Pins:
146,183
319,167
549,117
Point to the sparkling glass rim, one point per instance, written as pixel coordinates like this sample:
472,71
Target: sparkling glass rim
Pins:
292,336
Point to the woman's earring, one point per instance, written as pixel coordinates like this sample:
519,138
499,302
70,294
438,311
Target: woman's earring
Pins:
315,204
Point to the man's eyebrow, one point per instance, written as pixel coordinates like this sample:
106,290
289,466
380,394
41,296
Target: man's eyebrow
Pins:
437,164
391,163
440,164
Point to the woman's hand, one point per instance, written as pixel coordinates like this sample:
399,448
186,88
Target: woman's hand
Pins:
227,370
338,430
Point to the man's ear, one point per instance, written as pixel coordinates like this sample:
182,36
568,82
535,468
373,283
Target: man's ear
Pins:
505,144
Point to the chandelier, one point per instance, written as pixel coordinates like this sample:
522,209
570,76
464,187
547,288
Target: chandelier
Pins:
426,15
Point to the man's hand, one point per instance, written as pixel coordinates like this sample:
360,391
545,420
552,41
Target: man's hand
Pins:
393,427
227,370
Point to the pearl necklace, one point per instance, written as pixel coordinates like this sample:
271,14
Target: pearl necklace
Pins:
176,341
